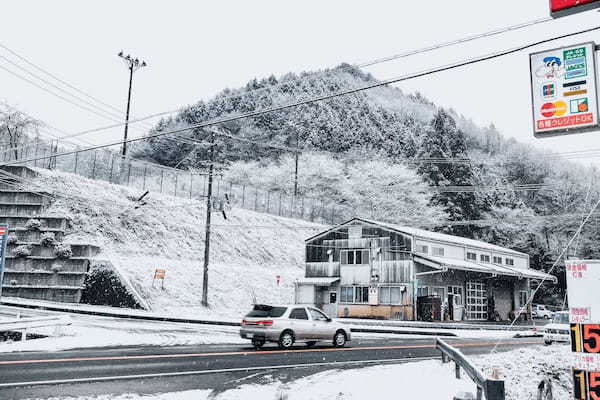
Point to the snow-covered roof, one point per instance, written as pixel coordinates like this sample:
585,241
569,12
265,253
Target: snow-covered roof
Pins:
435,236
464,265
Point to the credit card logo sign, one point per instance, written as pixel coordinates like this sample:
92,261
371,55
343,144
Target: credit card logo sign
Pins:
555,109
549,91
575,63
579,106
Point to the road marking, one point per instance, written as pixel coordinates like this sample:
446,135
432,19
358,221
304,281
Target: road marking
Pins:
263,352
213,371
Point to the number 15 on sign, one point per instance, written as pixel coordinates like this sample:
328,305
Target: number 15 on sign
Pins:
586,385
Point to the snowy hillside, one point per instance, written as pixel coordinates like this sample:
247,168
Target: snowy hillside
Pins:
248,249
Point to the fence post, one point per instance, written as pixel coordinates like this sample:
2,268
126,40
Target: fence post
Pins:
76,159
162,173
494,390
279,210
302,207
479,393
37,143
128,172
176,177
94,166
243,194
191,183
457,370
144,179
112,164
255,199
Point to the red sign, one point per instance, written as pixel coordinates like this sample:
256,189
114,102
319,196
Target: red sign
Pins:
566,122
560,8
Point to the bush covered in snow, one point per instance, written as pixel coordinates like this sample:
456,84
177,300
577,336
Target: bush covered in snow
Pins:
63,251
104,287
33,224
47,239
22,251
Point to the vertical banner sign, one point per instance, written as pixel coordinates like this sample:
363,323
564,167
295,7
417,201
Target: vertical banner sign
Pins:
3,239
583,281
564,90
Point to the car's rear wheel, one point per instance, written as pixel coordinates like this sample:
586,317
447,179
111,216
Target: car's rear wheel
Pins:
286,340
310,344
258,343
339,339
546,317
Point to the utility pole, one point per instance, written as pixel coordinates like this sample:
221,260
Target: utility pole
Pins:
208,211
296,156
133,65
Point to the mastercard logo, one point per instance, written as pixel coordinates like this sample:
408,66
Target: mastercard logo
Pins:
555,109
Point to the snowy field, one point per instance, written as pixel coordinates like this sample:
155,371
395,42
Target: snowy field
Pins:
248,249
522,370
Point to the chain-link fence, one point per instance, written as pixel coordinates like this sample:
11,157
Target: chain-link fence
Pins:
112,167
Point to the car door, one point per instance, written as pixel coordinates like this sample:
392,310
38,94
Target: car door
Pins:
321,324
300,323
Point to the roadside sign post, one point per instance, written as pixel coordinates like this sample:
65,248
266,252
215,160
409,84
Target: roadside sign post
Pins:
159,274
564,90
4,239
583,281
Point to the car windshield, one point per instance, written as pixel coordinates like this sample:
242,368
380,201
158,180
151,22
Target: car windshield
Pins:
561,318
262,311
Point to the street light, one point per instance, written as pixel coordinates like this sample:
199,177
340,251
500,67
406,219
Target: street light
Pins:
133,65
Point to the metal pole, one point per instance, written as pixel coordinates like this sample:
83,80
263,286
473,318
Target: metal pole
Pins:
207,232
94,166
128,172
124,149
76,159
279,210
112,164
162,174
191,184
243,194
144,184
176,176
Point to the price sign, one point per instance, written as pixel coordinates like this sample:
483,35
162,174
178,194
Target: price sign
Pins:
583,280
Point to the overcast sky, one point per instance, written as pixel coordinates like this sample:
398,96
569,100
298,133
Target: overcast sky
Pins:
195,49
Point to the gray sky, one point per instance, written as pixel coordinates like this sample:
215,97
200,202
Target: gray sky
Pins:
195,49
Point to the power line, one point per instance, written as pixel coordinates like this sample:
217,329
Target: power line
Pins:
339,93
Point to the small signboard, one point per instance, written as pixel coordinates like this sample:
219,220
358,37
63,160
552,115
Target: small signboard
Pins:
3,242
583,281
562,8
564,90
159,274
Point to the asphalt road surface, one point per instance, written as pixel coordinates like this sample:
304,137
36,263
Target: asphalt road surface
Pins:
219,367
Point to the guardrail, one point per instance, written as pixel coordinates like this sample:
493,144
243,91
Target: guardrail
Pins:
23,324
492,389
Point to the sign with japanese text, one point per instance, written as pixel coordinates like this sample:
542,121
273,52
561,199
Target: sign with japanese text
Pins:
159,273
583,281
3,242
563,90
561,8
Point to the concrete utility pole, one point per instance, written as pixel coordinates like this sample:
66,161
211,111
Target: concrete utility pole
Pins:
208,211
133,65
296,156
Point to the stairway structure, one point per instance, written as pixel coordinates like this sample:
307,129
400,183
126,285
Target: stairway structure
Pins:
40,274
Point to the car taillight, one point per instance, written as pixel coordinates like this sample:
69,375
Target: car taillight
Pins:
266,322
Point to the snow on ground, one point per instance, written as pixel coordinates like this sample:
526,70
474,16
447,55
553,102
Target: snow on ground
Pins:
522,370
248,249
90,331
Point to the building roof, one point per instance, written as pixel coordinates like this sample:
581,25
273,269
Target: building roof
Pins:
450,263
428,235
318,281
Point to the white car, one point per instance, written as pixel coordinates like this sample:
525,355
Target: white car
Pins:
289,324
558,329
540,311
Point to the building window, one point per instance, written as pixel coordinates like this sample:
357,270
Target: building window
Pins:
354,294
423,291
510,261
390,295
522,298
497,260
476,301
484,258
354,257
471,256
457,291
421,248
437,251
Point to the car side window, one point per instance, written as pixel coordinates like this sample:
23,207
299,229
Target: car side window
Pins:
317,315
298,313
